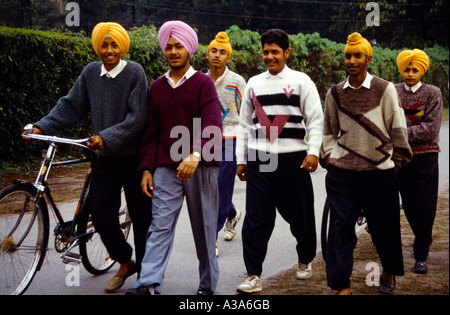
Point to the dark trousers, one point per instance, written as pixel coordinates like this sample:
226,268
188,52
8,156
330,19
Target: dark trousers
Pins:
110,175
419,181
289,189
227,176
377,193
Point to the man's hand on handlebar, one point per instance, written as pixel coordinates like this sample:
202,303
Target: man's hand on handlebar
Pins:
96,143
33,130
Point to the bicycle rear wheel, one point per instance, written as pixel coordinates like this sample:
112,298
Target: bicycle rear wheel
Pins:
95,257
24,230
325,228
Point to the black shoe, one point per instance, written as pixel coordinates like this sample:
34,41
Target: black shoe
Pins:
204,292
386,286
138,291
420,267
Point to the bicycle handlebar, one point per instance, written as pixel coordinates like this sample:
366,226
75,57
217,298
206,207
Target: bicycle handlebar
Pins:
78,142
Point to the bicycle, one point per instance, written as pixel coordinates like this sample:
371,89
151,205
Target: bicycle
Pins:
325,226
24,224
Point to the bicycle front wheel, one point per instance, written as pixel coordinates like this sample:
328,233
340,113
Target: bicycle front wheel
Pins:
24,229
95,256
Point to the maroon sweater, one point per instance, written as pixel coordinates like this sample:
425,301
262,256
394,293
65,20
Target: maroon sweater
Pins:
423,110
181,121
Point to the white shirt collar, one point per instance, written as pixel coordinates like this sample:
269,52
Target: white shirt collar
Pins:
185,77
365,84
282,74
413,88
220,79
115,71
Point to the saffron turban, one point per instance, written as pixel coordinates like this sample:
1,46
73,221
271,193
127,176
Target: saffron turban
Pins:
117,33
416,57
357,42
180,31
221,40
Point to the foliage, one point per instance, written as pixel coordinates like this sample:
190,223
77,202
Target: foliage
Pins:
37,68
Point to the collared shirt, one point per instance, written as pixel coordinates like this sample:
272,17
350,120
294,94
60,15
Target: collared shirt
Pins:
185,77
413,88
365,84
115,71
282,74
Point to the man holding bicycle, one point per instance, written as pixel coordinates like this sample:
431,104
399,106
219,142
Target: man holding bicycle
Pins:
115,92
364,143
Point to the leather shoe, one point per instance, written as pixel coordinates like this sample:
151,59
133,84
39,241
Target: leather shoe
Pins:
117,282
138,291
420,267
386,286
204,292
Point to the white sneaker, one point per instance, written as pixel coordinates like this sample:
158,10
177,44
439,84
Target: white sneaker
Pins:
230,226
250,285
304,271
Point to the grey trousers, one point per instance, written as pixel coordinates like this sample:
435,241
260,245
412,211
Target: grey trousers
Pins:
202,200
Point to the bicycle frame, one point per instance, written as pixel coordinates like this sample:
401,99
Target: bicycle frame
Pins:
48,162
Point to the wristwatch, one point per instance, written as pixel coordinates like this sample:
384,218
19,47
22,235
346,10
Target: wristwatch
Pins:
196,154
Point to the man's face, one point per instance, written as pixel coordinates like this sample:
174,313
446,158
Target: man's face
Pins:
275,58
411,75
176,54
218,57
356,62
110,53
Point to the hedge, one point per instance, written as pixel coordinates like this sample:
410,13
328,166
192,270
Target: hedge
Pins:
37,68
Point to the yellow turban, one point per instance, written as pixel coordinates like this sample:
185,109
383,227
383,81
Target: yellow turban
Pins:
357,42
221,40
117,33
416,57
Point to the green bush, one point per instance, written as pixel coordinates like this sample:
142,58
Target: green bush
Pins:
37,68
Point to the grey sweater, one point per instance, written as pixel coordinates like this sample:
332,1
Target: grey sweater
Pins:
118,107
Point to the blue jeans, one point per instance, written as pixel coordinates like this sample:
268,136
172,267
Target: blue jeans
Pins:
202,201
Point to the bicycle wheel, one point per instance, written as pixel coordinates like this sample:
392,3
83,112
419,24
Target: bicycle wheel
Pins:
324,229
24,231
95,257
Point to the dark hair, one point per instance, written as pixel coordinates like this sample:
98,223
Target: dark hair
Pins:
279,37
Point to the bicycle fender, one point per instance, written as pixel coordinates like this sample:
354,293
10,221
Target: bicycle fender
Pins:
22,182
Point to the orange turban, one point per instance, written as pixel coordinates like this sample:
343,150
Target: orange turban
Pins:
416,57
117,33
221,40
357,42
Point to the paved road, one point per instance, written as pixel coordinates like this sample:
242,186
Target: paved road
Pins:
182,273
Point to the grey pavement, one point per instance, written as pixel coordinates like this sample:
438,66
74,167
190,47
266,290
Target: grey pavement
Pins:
181,277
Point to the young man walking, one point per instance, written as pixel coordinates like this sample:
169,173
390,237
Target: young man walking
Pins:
419,180
230,87
114,91
179,158
281,107
364,144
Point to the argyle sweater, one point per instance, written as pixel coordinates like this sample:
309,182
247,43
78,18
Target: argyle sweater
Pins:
423,110
118,107
364,129
181,121
278,113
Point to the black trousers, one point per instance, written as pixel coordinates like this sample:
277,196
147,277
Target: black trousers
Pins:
377,193
288,189
419,181
103,200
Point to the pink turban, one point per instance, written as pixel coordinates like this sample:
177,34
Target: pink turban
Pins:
180,31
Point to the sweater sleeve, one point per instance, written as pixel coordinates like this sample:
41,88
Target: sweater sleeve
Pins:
330,129
69,109
245,125
209,139
311,107
149,143
122,133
